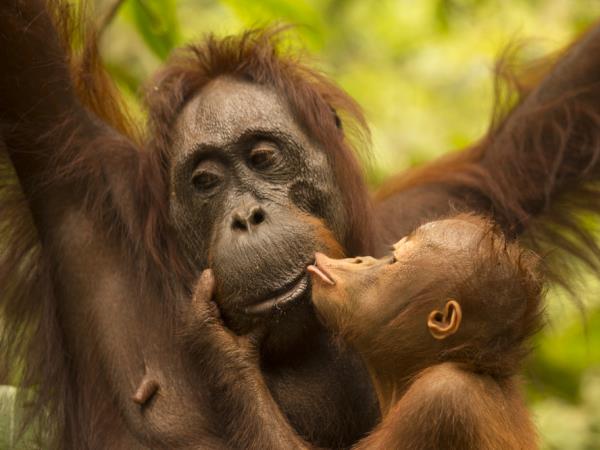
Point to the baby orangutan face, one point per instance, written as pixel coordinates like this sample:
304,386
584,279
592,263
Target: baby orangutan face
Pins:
359,297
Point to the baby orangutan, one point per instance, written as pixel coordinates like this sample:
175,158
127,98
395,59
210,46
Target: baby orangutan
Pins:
442,327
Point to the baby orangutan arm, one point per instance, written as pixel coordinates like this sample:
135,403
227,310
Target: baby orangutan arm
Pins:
447,408
248,415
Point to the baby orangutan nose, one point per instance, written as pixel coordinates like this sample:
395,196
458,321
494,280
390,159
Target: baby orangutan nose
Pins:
363,260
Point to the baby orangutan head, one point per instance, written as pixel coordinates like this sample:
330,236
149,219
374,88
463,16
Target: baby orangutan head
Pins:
454,289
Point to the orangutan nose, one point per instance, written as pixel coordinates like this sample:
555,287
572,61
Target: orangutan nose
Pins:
245,219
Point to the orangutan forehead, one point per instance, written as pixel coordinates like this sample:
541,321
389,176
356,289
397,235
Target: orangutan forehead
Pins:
451,234
227,108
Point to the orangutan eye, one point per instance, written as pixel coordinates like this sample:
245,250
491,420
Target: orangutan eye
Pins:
264,156
207,177
205,181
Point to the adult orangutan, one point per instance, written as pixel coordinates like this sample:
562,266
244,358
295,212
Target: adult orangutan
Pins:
244,168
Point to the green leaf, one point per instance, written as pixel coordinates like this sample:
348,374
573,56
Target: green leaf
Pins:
157,23
295,12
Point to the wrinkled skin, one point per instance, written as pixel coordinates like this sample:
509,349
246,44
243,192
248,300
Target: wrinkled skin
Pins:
246,181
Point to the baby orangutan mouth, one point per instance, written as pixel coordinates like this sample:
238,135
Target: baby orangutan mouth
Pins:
321,272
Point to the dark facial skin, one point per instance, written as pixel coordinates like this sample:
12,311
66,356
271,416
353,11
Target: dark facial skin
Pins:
248,187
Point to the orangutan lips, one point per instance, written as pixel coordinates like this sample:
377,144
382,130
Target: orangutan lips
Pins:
316,270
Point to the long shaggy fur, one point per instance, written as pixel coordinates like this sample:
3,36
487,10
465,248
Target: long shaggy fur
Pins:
32,351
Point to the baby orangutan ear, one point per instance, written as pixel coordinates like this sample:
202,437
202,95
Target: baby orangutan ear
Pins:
446,323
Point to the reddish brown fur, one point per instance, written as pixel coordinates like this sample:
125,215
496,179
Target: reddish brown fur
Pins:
535,171
464,391
460,390
505,282
448,408
33,338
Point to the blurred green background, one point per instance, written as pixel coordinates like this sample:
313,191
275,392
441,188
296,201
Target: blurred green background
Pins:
422,70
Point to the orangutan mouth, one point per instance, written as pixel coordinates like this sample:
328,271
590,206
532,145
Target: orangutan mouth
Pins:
284,296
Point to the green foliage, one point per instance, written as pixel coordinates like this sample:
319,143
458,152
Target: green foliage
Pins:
431,61
573,426
12,407
157,24
303,13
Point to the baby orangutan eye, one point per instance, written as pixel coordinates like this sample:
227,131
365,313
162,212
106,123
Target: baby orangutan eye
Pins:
392,258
